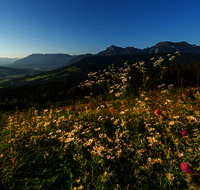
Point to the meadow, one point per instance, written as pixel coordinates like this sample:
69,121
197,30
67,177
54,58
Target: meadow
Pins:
115,141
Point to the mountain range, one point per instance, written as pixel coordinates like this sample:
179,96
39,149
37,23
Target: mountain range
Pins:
37,68
162,47
53,61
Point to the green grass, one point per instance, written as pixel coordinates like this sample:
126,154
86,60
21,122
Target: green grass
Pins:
73,69
118,143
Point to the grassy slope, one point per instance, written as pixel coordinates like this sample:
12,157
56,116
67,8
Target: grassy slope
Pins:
105,146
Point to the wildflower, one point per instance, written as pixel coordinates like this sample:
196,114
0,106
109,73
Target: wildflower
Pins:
176,117
151,129
149,159
58,131
102,135
81,187
190,149
108,157
180,154
89,105
46,124
158,160
192,118
184,132
111,91
187,168
157,112
170,177
171,123
97,129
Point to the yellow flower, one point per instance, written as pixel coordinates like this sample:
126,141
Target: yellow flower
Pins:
170,177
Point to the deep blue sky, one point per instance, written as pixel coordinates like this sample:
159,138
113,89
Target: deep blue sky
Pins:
89,26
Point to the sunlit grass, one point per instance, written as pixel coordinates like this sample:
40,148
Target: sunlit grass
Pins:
117,143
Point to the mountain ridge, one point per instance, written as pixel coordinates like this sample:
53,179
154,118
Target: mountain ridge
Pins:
38,60
161,47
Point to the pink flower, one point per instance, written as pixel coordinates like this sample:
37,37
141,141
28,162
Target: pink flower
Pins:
70,109
184,132
90,105
157,112
187,168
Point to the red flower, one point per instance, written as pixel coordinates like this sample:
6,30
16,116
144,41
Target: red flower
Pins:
184,132
157,112
187,168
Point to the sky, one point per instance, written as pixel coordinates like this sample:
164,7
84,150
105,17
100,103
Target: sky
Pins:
90,26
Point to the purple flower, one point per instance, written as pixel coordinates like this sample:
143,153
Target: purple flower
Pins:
157,112
184,132
187,168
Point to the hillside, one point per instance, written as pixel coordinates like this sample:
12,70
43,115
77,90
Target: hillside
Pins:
89,64
7,73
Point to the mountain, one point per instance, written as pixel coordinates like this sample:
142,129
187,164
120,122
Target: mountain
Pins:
114,50
161,47
7,61
43,61
170,47
78,58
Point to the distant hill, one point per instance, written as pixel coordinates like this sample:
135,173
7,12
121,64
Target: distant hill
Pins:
43,61
161,47
7,61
